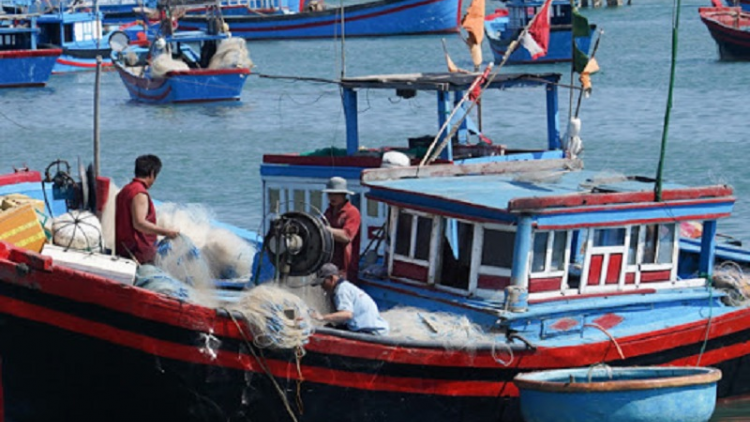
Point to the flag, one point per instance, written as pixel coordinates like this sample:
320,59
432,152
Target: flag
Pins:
591,67
536,39
581,28
473,23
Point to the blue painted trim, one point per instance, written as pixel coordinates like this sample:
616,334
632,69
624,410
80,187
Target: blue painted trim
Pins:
514,157
463,131
312,172
629,214
349,101
440,206
519,271
708,248
553,121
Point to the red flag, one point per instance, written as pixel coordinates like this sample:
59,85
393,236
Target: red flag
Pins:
536,39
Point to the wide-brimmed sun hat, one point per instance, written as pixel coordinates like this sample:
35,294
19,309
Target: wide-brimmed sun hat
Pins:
337,185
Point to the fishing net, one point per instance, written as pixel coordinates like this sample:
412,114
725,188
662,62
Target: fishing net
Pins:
156,279
730,278
183,261
164,63
276,318
79,230
452,330
227,255
231,54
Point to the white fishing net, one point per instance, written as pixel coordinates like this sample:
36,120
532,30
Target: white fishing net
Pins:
730,277
183,261
276,318
452,330
231,53
164,63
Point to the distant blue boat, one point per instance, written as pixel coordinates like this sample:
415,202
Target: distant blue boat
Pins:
79,35
169,70
505,26
22,62
745,4
629,394
375,18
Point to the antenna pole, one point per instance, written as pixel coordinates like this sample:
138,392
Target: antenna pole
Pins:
343,44
97,85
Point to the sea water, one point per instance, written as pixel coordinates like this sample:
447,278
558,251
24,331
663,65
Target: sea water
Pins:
212,152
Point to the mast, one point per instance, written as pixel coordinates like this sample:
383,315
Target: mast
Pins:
97,85
665,131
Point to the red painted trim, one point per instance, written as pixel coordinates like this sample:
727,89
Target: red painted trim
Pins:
82,64
655,276
537,285
595,270
19,54
635,206
493,282
589,199
613,269
335,161
409,270
630,278
209,72
20,176
593,295
608,321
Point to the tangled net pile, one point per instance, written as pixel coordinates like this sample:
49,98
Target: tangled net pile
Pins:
276,318
452,330
730,278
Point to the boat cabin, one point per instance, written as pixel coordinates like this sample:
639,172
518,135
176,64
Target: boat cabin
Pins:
543,227
18,32
293,182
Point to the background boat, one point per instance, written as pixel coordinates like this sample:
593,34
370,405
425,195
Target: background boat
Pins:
730,28
22,61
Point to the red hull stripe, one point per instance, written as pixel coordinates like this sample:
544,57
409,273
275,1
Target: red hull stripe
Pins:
209,72
20,177
19,54
2,394
82,64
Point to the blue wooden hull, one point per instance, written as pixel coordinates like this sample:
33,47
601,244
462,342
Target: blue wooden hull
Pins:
560,48
378,18
26,67
653,394
185,87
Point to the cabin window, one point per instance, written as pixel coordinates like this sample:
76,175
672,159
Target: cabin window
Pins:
609,237
298,196
498,247
633,248
413,235
658,244
373,208
316,200
274,197
456,246
549,251
68,33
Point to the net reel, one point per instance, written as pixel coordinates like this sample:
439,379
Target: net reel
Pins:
298,244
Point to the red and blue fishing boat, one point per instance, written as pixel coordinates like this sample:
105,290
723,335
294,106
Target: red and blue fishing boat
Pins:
730,28
22,61
313,20
504,26
169,70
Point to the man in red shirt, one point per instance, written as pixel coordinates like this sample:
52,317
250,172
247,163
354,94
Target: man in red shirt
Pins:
345,221
135,215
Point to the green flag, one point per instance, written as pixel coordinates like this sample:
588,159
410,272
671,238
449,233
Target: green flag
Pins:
581,26
580,60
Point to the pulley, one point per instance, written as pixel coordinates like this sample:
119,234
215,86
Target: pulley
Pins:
298,244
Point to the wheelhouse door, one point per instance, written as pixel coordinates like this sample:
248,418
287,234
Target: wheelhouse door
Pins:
604,261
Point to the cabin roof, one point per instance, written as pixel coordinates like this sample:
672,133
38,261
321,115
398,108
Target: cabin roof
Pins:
545,191
446,81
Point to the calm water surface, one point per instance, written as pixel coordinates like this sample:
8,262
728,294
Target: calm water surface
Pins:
212,152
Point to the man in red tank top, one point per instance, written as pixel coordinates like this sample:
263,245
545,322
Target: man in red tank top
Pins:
345,221
135,215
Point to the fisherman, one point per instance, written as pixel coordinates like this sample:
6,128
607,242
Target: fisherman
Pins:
135,215
355,309
345,220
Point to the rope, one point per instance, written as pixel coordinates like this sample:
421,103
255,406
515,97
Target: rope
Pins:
611,337
497,359
709,284
263,366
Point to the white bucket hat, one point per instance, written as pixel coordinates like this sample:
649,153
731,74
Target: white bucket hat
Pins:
337,185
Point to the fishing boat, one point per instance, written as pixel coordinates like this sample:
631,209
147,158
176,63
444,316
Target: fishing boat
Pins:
22,61
744,4
728,26
169,70
258,21
622,394
559,267
505,25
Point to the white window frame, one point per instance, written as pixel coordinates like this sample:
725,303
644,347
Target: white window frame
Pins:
547,273
490,269
430,262
476,256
